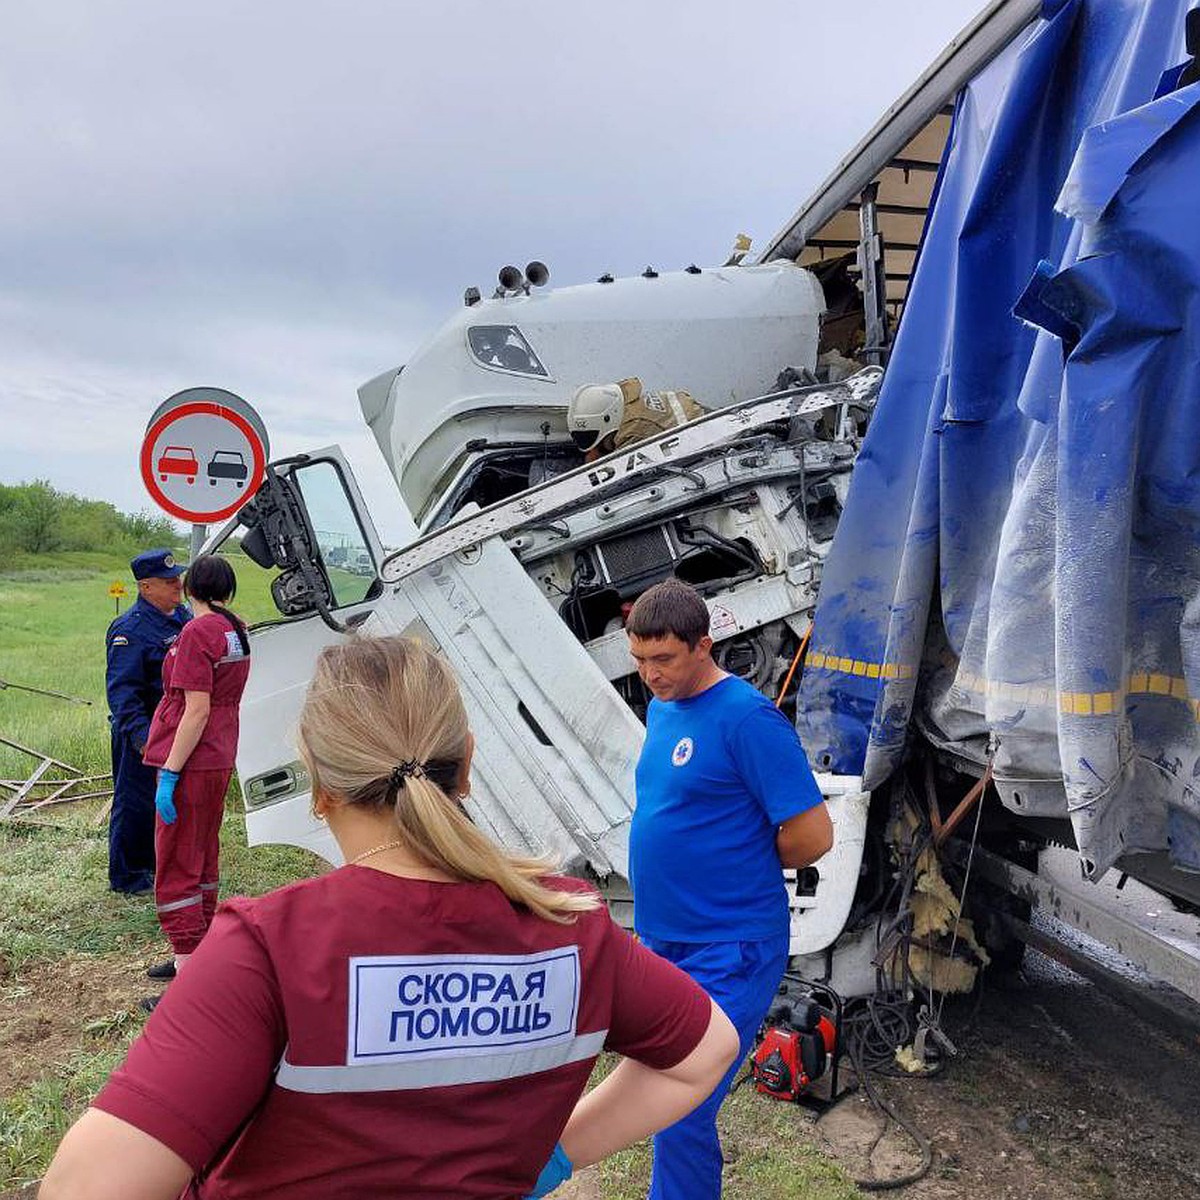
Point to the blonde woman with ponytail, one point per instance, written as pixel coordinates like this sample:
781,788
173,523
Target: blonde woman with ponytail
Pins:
422,1021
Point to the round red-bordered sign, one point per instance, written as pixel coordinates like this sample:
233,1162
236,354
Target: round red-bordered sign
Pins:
159,467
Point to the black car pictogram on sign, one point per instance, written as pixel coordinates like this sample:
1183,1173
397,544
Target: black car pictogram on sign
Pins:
227,464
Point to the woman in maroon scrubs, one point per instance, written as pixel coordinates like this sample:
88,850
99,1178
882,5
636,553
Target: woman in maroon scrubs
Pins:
193,741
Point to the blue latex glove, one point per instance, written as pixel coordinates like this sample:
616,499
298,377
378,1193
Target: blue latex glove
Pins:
557,1170
164,795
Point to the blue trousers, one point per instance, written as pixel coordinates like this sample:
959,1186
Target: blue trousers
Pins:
742,978
131,822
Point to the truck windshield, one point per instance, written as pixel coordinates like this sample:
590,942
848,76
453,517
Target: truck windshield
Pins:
495,477
502,348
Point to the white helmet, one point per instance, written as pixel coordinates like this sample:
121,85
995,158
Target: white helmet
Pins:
594,412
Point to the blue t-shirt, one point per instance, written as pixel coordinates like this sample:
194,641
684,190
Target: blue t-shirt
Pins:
719,772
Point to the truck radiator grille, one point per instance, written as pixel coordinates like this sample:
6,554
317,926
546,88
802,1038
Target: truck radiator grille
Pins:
644,552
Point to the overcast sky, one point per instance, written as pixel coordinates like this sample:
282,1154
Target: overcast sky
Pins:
283,199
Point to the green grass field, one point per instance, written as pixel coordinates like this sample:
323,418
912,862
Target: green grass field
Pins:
55,906
54,611
72,953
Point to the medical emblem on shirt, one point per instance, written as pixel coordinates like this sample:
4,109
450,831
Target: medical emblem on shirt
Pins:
429,1005
682,754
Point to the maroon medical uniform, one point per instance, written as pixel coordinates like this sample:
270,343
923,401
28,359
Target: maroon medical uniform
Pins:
361,1034
210,659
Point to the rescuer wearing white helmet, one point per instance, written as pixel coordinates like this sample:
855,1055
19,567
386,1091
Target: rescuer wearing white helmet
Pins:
603,417
594,413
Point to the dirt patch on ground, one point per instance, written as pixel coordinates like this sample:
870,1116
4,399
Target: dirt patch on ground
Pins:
1058,1093
585,1186
53,1010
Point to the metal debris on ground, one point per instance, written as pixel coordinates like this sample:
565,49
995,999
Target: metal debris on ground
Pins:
50,782
5,684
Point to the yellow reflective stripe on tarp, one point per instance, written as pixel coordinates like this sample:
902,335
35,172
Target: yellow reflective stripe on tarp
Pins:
1142,683
1079,704
822,660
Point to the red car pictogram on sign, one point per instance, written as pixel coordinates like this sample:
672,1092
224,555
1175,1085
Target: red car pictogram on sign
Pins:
178,460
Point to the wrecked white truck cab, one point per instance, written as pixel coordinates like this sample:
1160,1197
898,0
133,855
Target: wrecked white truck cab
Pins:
988,653
526,596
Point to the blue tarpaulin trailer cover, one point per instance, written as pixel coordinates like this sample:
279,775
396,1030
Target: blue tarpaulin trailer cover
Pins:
1017,570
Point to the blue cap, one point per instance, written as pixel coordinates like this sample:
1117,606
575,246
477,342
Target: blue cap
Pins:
156,564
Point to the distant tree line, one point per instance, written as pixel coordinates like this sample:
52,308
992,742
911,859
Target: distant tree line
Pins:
37,519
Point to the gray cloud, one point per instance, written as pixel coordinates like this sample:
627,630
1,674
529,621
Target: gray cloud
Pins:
284,199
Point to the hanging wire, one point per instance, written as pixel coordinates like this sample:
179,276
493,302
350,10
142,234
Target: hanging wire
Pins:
787,682
962,898
875,1028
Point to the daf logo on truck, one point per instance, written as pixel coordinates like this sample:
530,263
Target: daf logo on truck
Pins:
660,450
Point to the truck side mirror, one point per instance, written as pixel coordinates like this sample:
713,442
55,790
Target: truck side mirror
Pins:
294,593
256,549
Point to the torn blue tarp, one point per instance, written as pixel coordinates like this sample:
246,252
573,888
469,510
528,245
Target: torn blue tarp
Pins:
1018,566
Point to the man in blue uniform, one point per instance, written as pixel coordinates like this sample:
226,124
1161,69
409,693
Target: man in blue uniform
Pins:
136,643
725,800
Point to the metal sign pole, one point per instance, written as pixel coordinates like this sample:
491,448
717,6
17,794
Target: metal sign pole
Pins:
199,533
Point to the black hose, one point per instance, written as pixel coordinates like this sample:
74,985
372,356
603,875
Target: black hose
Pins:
689,533
923,1144
871,1034
873,1031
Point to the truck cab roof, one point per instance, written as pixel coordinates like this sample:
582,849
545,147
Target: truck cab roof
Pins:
501,372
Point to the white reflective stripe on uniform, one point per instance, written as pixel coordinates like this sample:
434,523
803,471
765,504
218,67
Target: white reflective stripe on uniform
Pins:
438,1072
209,887
676,408
176,904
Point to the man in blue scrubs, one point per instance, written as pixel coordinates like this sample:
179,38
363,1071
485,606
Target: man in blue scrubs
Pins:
725,800
136,643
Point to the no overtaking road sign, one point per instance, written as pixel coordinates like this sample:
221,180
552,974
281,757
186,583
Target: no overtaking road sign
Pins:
204,454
